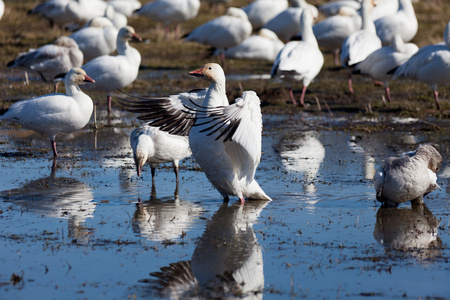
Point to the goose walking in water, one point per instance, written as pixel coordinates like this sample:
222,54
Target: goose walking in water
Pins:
55,113
300,60
408,177
113,72
225,139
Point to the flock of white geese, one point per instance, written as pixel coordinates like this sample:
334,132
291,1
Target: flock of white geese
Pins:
225,139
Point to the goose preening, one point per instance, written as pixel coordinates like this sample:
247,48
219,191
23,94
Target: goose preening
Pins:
358,45
403,22
55,113
264,45
155,146
259,12
97,38
300,60
225,139
408,177
170,12
50,60
430,65
223,32
113,72
379,64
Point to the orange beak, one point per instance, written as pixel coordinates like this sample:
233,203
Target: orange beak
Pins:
88,79
197,73
136,38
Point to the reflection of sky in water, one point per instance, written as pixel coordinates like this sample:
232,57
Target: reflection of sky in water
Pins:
313,245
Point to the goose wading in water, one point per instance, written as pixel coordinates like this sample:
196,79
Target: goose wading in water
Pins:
408,177
225,139
113,72
55,113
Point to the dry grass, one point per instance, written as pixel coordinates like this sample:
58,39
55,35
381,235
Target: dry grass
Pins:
20,31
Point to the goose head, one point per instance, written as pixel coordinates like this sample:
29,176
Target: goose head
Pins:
432,155
65,41
211,72
127,33
78,76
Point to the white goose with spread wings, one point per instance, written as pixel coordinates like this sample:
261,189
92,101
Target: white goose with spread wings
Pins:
224,139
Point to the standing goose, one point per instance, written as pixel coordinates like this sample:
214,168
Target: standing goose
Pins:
408,177
300,60
50,60
430,65
113,72
97,38
225,139
403,22
170,12
55,113
379,64
223,32
361,43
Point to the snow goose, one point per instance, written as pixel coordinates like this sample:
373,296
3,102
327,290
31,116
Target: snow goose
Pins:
265,45
155,146
223,32
226,139
300,60
408,177
81,11
118,19
287,23
384,8
358,45
333,8
404,23
380,62
54,11
430,65
170,12
331,32
50,60
97,38
113,72
55,113
126,7
259,12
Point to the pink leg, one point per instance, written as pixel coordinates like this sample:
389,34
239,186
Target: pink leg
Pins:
55,86
109,99
350,86
55,154
242,200
336,57
436,98
302,98
222,58
388,94
291,94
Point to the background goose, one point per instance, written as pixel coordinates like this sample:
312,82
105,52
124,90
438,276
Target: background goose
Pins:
265,45
408,177
97,38
361,43
226,139
54,11
113,72
403,22
50,60
430,65
55,113
332,8
223,32
300,60
379,64
170,12
259,12
126,7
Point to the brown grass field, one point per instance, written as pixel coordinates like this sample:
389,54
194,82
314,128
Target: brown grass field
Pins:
20,31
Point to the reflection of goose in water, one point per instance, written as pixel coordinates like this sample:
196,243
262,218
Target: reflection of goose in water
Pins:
227,262
160,219
413,230
57,197
305,155
445,175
